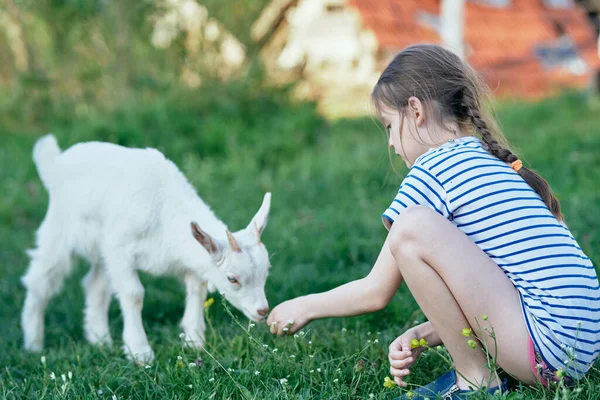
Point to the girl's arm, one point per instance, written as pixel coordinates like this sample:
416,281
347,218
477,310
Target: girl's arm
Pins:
369,294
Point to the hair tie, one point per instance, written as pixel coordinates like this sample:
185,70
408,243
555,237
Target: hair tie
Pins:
516,165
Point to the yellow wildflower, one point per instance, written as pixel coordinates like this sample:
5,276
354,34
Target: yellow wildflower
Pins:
423,342
414,344
209,302
559,373
485,317
410,395
466,332
472,343
388,383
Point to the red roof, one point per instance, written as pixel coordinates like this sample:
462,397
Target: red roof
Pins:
500,41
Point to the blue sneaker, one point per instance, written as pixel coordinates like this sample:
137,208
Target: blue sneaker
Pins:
445,388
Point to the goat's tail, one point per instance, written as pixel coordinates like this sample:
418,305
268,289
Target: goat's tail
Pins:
45,152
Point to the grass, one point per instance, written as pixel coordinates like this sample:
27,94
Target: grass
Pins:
330,182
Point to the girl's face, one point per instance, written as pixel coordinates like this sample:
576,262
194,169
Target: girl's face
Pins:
407,132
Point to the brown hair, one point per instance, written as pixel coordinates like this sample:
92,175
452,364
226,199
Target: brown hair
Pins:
453,92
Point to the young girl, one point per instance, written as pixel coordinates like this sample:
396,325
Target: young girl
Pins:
472,232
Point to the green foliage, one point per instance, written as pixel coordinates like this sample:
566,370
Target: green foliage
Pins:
330,182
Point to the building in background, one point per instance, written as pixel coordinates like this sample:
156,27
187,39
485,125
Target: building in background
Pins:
523,48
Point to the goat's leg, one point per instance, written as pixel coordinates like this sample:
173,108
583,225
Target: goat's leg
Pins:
193,317
97,301
50,264
130,292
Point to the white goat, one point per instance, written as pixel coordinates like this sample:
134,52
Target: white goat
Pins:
125,210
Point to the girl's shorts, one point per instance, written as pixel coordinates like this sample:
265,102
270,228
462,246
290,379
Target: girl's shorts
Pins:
543,371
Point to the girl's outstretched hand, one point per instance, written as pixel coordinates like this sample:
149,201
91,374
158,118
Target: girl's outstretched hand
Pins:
402,355
289,316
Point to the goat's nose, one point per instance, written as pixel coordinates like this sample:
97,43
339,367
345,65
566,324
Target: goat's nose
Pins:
263,311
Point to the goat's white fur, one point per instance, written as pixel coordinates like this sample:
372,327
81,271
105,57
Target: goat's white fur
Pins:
126,210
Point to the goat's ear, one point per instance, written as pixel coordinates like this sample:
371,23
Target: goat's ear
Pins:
204,239
259,222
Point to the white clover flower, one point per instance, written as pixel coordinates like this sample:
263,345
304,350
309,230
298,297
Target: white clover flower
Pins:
182,335
63,377
290,322
292,356
211,380
344,330
301,333
376,341
311,355
147,367
265,345
310,342
256,372
179,358
311,371
190,386
274,350
318,369
230,369
100,392
335,380
283,381
192,365
70,375
43,360
251,326
52,376
286,329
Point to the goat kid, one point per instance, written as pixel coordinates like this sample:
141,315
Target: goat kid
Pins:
125,210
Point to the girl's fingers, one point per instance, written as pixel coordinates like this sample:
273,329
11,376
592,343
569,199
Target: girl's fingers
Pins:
399,355
401,364
400,382
399,373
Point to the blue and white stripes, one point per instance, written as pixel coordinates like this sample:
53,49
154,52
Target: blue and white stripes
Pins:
506,218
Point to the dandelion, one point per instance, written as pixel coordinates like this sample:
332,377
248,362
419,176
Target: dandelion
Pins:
211,380
52,376
209,302
414,344
422,342
388,383
70,375
466,332
182,336
283,381
485,317
43,360
410,395
256,373
472,344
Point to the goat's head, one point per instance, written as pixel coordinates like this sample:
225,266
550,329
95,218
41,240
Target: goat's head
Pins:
242,264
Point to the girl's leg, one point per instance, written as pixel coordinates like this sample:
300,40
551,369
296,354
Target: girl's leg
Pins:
454,282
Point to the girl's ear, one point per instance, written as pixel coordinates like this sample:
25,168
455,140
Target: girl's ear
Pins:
417,110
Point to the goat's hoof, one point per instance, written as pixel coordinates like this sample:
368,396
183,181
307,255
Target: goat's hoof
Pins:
142,356
194,341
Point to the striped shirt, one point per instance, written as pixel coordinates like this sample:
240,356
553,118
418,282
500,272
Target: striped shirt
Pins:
506,218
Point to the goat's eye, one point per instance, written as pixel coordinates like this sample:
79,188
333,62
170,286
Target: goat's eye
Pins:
232,279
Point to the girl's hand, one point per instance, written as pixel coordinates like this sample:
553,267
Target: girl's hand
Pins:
292,314
402,355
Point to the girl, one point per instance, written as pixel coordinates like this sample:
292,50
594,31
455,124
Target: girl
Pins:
472,232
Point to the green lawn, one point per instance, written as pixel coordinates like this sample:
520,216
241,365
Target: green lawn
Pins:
330,183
